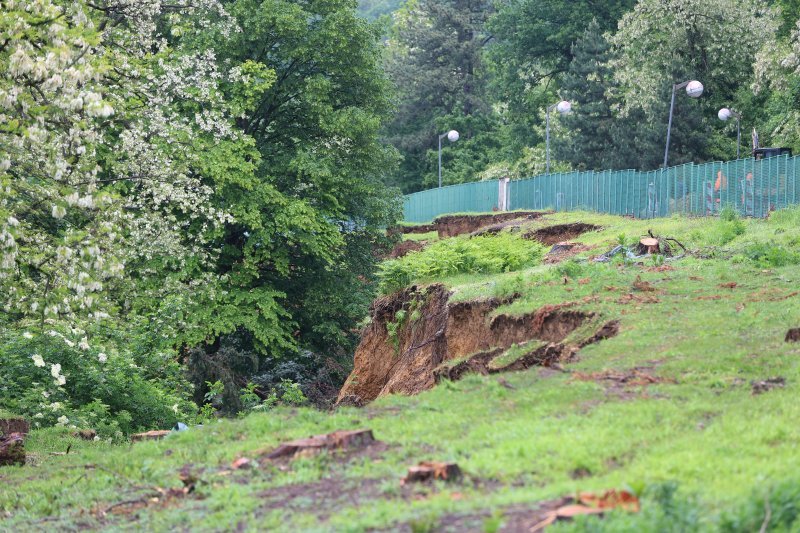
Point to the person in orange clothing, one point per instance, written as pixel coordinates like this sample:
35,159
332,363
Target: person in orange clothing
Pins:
719,185
747,185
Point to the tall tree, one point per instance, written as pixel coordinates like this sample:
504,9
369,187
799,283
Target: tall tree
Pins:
590,126
435,61
664,42
304,234
533,48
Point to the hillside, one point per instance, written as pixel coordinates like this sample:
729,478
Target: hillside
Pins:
689,403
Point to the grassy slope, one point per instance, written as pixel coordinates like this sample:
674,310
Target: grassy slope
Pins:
521,436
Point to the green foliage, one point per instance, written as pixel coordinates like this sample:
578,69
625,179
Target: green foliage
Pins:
248,397
504,252
533,48
725,229
114,391
393,328
781,501
292,394
434,58
571,269
768,255
214,392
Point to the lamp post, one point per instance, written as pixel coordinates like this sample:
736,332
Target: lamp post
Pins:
694,89
452,136
562,107
724,115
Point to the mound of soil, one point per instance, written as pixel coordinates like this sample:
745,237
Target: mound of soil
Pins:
422,228
551,235
453,225
410,351
404,248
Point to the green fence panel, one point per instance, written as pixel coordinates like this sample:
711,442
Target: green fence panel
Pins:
753,188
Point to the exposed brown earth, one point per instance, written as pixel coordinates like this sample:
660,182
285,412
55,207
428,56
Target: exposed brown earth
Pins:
14,425
438,339
406,247
551,235
422,228
453,225
564,250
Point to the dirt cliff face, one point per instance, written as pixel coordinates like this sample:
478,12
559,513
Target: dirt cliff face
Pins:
417,337
453,225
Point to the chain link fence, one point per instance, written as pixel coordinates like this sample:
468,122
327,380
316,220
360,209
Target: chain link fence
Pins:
752,187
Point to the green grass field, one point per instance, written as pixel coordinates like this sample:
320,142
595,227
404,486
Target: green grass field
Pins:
699,446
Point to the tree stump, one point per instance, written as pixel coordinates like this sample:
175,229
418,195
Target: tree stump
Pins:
12,450
338,440
649,245
431,470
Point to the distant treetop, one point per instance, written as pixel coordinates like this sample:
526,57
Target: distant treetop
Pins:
372,9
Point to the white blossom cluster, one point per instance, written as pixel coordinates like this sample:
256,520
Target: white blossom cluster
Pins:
98,148
723,35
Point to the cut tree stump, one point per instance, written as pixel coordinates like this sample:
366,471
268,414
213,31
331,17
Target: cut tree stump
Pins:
150,435
338,440
12,449
650,245
431,470
14,425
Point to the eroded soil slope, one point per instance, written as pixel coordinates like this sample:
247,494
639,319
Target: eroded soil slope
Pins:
416,337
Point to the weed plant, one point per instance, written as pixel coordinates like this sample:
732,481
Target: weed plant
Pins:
493,254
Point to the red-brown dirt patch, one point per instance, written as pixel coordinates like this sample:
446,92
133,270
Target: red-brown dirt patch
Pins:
421,228
404,248
628,378
551,235
453,225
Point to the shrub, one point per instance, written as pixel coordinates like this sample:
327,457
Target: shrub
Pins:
767,255
505,252
53,378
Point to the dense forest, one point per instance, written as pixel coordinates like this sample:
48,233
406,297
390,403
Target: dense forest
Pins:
193,195
490,70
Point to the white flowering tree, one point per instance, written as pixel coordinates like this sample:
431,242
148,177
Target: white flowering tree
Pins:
161,187
107,135
714,41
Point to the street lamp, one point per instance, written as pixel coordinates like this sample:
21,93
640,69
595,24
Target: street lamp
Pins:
724,115
694,89
562,107
452,136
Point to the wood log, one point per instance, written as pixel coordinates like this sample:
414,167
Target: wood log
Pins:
149,435
12,450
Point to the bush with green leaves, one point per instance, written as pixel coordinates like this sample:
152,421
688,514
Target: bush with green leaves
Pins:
768,255
53,378
489,254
